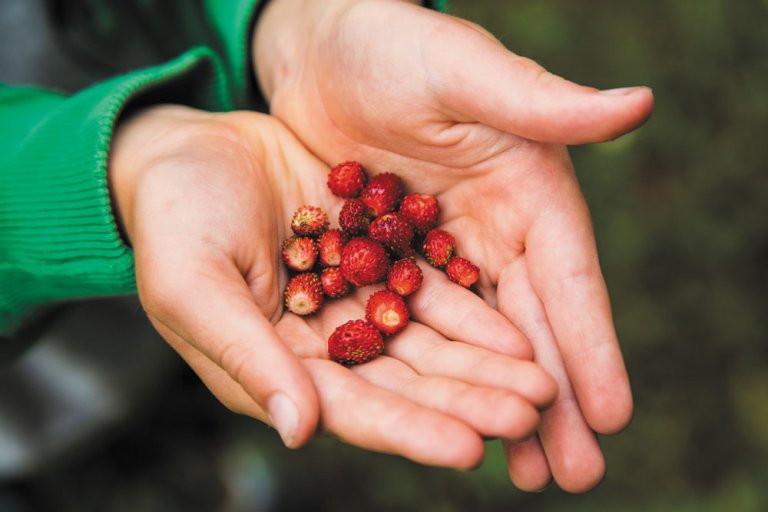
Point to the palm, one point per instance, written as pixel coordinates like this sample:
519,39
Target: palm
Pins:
454,132
207,233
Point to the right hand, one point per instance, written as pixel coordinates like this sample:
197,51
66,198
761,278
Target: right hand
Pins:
443,103
206,200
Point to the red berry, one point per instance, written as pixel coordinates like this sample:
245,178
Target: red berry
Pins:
364,261
299,253
309,221
304,294
347,179
330,244
334,284
387,311
421,210
353,217
394,232
404,277
462,271
438,247
355,342
382,194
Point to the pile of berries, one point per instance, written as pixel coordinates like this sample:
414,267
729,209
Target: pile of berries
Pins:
379,227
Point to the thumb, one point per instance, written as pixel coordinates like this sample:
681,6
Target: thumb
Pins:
483,82
213,313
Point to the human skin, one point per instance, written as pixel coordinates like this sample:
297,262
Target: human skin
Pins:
206,200
441,102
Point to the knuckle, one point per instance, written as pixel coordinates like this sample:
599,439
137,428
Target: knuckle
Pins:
233,360
529,67
159,295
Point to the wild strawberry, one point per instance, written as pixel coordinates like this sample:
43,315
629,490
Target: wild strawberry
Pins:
299,253
329,245
364,261
387,311
394,232
304,294
347,179
404,277
334,284
438,247
462,271
382,194
355,342
309,221
353,217
421,210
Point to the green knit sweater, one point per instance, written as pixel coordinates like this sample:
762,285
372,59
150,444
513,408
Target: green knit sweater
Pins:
58,237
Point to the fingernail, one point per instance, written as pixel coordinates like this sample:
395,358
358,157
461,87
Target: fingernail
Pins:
622,91
284,416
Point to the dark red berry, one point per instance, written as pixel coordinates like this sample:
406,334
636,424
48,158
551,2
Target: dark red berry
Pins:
382,194
394,232
439,246
387,311
364,261
462,271
309,221
421,210
304,294
404,277
353,217
355,342
334,284
347,179
299,253
329,245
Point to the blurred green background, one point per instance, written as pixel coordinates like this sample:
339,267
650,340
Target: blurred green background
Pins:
681,215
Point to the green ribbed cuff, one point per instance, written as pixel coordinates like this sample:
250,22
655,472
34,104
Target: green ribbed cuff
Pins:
233,21
438,5
58,238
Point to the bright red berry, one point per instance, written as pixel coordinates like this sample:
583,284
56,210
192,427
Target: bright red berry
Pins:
347,179
382,194
355,342
439,246
394,232
404,277
334,284
353,217
462,271
309,221
329,245
387,311
364,261
299,253
304,294
421,210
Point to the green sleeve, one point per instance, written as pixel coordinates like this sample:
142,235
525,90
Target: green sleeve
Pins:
58,238
232,22
438,5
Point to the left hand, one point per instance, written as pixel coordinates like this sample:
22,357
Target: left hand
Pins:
442,103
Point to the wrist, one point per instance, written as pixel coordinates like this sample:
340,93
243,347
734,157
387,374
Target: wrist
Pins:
286,32
282,36
141,140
